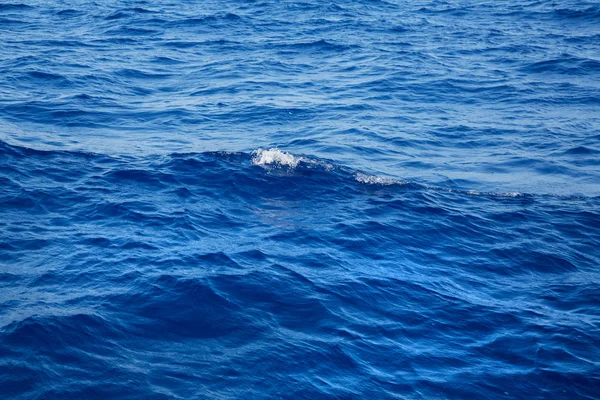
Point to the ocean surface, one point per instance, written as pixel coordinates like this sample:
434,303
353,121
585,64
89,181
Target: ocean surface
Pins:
310,199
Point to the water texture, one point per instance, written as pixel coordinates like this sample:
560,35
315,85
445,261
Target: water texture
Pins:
255,199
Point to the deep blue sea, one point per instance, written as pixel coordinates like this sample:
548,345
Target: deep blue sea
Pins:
359,199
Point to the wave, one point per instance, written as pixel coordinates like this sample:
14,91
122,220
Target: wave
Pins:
275,157
274,161
216,19
14,6
592,12
566,64
377,180
321,45
128,12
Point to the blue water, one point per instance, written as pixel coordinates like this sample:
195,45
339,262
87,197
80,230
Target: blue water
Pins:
303,200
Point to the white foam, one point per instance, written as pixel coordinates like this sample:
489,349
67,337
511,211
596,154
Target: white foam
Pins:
510,194
374,180
476,193
275,157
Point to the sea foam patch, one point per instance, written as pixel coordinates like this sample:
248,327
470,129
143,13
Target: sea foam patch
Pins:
275,156
375,180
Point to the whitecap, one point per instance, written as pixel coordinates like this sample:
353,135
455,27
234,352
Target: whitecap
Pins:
275,156
494,194
374,180
509,194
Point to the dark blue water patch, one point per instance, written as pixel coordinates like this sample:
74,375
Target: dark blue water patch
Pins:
208,19
14,7
128,13
591,12
582,150
130,32
62,44
320,45
7,22
566,65
137,74
45,76
70,12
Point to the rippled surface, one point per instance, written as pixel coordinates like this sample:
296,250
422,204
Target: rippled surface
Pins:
362,199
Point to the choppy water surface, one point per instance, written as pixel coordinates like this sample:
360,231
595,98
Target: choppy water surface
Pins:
246,199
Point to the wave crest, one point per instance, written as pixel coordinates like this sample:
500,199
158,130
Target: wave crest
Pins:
375,180
275,156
